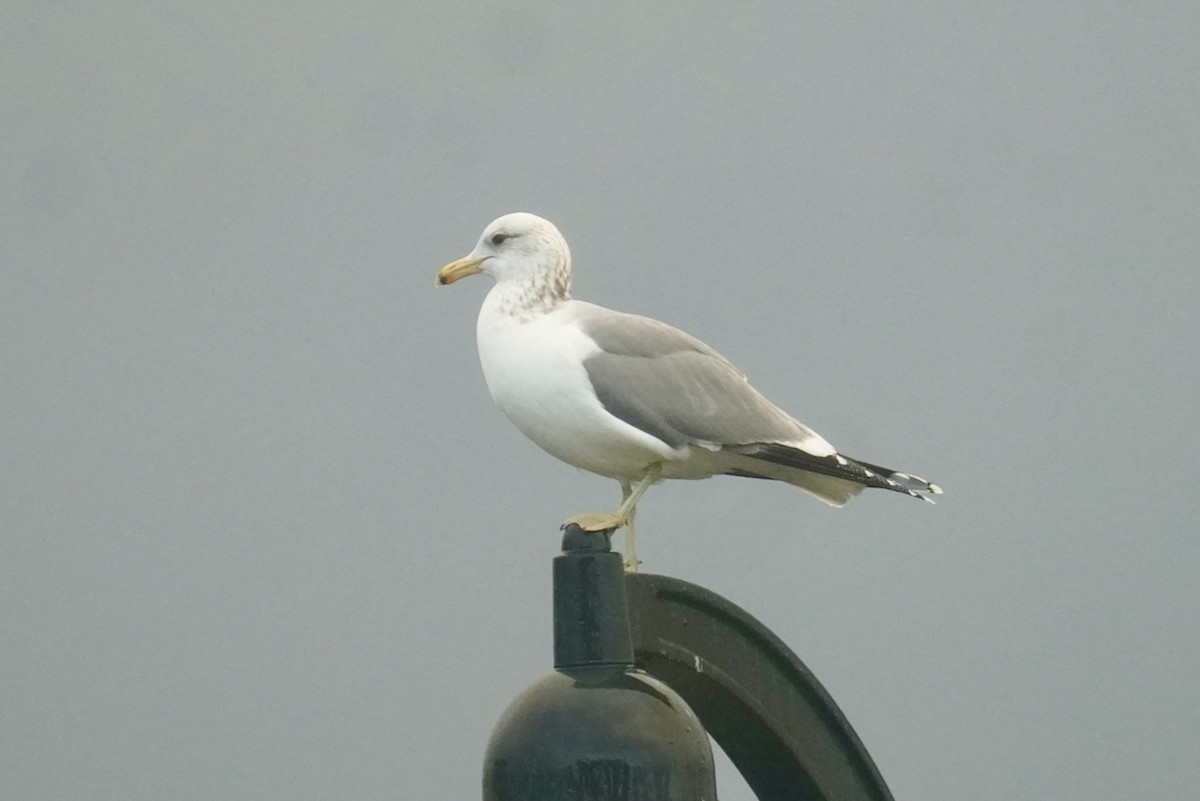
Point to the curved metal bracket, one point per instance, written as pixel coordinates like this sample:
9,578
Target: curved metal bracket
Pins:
768,712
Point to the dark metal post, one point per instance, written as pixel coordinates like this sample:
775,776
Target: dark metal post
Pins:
591,612
597,728
633,656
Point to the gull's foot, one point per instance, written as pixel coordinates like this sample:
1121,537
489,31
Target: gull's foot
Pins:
630,565
593,523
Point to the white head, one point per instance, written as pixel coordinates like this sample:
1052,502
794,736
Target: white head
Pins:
519,248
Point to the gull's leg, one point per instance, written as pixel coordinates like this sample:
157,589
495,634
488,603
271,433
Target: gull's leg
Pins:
622,517
631,561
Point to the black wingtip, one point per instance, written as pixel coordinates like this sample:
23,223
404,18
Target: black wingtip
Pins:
838,465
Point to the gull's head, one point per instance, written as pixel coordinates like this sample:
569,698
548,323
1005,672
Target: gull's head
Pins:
521,248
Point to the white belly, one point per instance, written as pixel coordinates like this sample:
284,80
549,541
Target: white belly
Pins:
535,374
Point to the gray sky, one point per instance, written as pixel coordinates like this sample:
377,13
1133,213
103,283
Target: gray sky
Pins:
264,535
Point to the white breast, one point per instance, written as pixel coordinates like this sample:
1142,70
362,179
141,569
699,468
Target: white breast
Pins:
534,370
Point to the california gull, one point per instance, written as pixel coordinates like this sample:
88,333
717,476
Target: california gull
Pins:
629,397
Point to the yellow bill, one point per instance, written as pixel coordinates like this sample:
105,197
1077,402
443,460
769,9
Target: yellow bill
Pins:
468,265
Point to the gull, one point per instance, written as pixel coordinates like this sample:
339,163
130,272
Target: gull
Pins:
629,397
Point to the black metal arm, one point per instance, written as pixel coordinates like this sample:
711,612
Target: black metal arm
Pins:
768,712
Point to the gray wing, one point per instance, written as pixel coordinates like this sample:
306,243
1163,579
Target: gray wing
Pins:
673,386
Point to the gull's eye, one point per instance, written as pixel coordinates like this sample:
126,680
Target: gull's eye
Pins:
498,239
